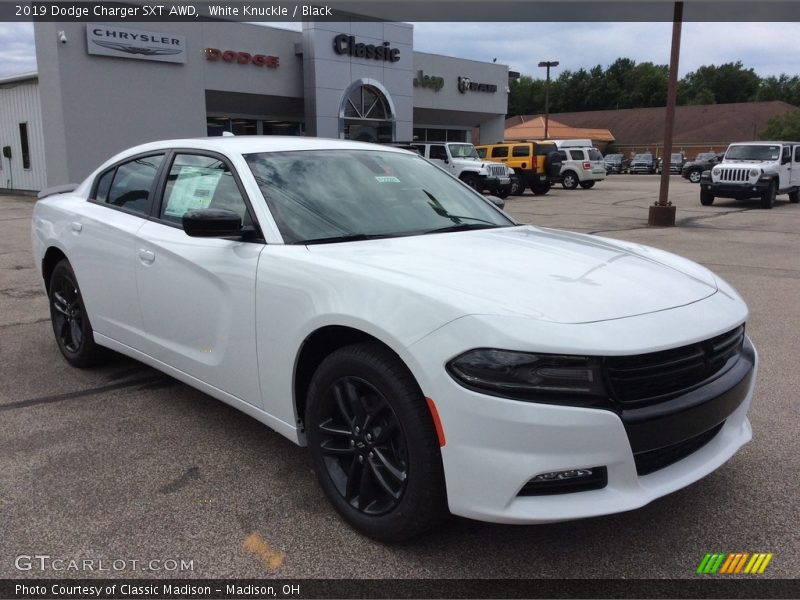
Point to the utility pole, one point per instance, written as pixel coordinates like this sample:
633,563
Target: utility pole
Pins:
663,212
547,64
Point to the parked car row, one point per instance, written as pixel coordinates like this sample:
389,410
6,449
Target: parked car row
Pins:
540,164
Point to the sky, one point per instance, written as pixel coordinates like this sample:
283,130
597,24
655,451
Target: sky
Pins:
768,48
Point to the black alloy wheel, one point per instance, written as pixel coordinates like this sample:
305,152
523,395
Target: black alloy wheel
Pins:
363,445
71,325
374,445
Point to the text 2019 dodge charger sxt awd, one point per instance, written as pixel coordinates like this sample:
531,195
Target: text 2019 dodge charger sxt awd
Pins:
432,353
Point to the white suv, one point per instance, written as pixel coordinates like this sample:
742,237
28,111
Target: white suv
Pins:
582,164
462,161
754,170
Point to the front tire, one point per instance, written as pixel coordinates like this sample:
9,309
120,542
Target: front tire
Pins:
569,180
472,181
768,197
504,192
694,175
706,198
517,186
71,325
373,444
794,197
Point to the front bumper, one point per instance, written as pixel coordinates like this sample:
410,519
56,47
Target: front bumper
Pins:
736,190
494,446
495,183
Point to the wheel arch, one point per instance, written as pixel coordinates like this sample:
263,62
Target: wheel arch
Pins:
51,258
316,347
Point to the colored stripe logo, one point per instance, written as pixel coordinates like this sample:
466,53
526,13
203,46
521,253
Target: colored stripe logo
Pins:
734,563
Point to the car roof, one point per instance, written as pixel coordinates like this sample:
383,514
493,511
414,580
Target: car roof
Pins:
248,144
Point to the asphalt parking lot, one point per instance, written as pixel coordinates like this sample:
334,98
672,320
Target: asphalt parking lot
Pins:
121,462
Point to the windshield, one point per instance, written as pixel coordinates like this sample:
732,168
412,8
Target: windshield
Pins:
463,151
614,157
644,157
753,153
676,157
705,156
319,196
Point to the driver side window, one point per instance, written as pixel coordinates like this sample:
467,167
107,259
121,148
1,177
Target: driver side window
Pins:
197,181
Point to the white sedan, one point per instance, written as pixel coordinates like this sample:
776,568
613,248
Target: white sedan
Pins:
431,352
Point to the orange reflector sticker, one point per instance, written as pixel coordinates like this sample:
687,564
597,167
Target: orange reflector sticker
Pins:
437,422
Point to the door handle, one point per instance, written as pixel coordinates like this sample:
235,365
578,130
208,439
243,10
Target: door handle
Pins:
77,227
147,256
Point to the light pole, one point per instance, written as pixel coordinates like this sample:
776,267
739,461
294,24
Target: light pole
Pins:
547,64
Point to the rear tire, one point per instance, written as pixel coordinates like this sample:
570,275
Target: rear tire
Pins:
374,445
71,326
587,184
706,198
768,197
540,188
569,180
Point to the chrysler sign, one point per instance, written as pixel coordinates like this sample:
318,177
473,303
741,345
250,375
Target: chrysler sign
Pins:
107,40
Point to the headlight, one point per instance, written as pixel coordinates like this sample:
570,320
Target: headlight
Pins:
755,172
527,376
716,170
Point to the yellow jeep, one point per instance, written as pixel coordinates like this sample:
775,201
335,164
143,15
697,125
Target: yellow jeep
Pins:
528,159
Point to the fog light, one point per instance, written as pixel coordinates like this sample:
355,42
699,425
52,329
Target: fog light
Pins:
566,482
573,474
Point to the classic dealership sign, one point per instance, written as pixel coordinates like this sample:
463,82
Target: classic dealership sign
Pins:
346,44
466,84
121,42
242,58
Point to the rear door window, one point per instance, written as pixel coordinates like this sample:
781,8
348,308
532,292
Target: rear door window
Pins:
500,152
576,154
132,186
521,151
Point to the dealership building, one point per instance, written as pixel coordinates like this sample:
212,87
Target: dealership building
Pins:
102,87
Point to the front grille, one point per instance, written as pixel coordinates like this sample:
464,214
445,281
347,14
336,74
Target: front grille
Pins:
658,376
497,170
734,175
653,460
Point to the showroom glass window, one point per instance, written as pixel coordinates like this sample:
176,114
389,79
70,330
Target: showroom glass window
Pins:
196,181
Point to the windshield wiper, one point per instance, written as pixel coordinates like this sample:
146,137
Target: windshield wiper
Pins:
353,237
464,227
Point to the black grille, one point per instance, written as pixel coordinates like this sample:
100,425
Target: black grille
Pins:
657,376
653,460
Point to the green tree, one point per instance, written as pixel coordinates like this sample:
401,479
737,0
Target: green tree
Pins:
783,127
730,82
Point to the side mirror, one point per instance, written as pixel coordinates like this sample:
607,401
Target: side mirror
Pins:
498,202
7,152
212,222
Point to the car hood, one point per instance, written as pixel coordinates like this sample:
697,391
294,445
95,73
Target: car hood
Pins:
539,273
